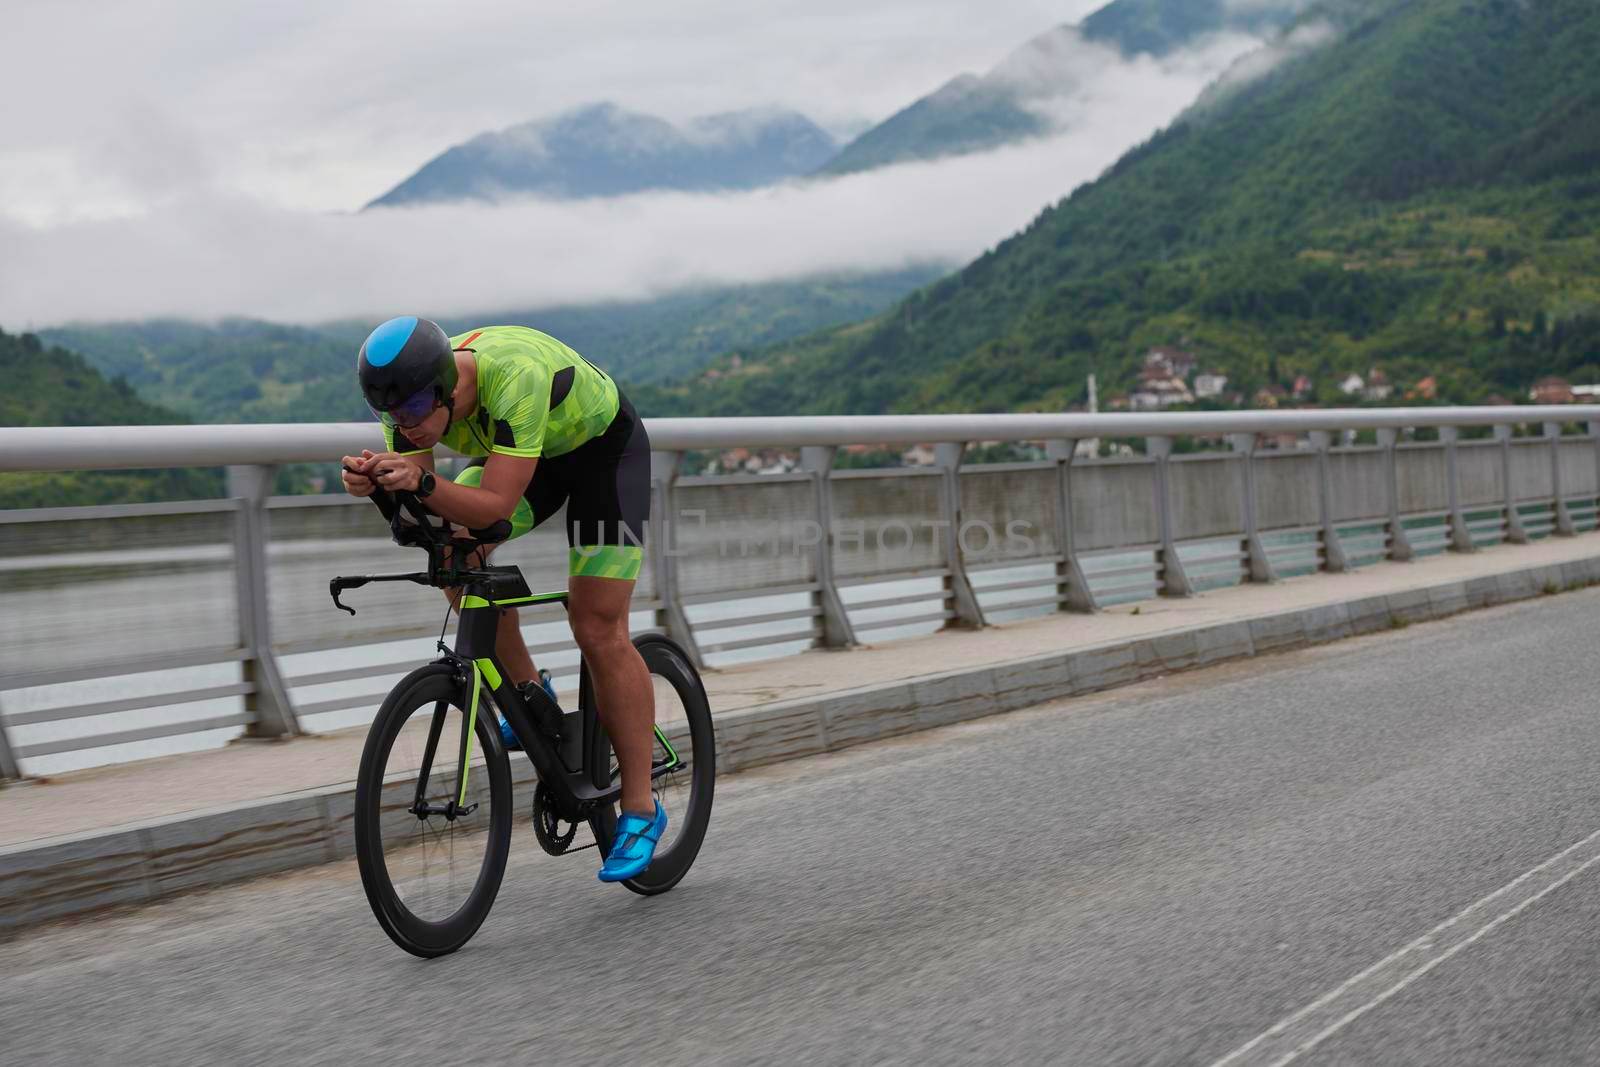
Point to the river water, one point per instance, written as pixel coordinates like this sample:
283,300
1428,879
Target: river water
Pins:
154,600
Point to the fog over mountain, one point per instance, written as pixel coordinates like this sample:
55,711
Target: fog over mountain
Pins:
1047,84
604,150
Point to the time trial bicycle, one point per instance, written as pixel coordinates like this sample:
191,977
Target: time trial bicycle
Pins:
435,793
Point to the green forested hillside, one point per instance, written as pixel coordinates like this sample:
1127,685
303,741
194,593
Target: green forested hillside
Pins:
245,370
1422,193
54,387
238,370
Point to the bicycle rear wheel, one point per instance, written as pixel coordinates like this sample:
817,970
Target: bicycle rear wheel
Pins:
432,853
683,718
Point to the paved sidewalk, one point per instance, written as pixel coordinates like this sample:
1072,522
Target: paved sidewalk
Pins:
100,799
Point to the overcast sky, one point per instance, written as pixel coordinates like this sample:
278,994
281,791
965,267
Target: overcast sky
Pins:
198,158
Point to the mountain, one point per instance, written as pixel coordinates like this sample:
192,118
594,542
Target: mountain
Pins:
602,150
1159,27
1415,185
245,370
1022,95
54,387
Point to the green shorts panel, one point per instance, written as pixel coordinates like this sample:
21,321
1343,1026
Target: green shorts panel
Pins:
605,561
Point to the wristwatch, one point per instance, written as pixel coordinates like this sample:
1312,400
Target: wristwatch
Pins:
426,483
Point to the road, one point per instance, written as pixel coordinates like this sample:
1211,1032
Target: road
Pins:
1163,874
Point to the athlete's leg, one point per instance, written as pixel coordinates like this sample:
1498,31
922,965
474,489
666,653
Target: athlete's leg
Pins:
625,700
607,510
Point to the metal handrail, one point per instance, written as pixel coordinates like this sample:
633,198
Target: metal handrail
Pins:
56,448
252,451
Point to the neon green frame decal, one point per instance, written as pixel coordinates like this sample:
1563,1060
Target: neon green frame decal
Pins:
479,602
472,728
672,753
534,599
490,675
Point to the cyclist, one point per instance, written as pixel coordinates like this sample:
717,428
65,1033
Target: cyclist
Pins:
545,427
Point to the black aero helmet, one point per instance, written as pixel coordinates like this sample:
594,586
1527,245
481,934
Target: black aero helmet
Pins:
406,366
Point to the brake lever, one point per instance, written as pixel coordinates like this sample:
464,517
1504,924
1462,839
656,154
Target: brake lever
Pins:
339,585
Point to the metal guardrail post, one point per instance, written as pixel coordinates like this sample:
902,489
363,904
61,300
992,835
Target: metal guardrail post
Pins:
1174,580
269,704
1332,548
662,539
1564,526
836,629
1594,435
1261,569
1399,544
9,768
1069,571
947,454
1515,533
1460,536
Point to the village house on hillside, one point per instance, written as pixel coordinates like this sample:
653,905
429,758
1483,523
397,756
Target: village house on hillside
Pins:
1427,389
1160,394
1352,385
1551,391
1378,386
1271,396
1161,380
1210,383
1166,361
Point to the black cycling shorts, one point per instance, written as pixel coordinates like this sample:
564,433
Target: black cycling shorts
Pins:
605,485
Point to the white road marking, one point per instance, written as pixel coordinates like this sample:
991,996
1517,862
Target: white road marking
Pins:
1296,1034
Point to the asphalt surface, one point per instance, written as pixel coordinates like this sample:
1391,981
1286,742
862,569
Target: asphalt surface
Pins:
1163,874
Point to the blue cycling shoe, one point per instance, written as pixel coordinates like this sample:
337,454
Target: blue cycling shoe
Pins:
508,738
635,845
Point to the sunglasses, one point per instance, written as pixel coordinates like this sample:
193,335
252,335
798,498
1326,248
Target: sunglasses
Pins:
412,410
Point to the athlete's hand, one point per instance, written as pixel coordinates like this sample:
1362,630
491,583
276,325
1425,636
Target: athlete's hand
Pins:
395,472
356,483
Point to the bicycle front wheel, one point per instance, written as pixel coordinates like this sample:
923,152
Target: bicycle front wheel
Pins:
431,846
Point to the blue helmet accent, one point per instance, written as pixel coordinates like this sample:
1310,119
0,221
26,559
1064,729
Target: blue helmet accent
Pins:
403,357
385,342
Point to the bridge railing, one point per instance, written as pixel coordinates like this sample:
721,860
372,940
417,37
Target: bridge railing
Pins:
134,630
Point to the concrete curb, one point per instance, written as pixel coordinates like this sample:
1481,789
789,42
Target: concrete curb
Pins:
143,862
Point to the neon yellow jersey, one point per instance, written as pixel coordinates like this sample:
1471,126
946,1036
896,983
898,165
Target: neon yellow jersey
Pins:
536,397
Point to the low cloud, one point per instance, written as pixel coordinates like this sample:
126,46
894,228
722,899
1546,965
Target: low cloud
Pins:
323,104
1260,62
1070,81
216,256
208,251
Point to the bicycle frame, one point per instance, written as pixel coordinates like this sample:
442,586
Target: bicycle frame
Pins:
575,787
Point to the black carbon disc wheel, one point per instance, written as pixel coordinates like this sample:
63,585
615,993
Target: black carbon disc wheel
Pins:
684,715
431,865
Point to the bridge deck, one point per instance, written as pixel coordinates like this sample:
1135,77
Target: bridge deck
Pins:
1377,851
111,796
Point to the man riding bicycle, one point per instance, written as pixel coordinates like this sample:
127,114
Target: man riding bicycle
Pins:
545,428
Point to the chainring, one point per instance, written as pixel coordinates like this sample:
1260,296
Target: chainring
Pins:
547,824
